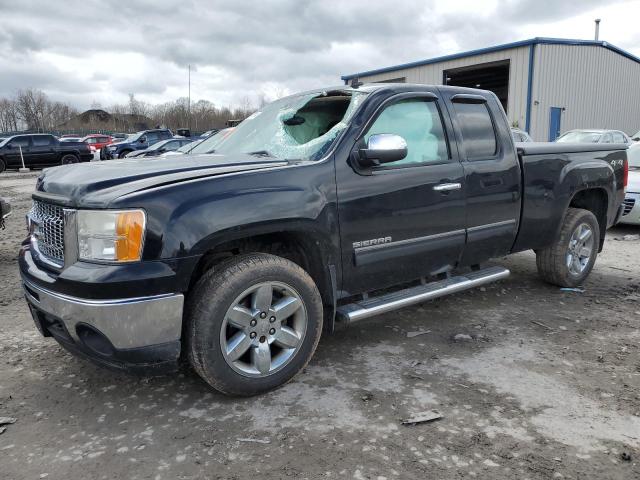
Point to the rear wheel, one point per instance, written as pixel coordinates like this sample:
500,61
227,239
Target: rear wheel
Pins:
570,259
3,166
253,323
69,159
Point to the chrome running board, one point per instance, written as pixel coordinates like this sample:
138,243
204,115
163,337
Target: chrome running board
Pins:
371,306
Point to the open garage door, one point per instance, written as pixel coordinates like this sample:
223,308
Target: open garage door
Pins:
493,76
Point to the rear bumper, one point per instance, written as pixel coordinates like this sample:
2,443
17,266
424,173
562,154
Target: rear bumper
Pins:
135,334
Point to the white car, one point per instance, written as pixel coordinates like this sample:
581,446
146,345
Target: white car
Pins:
631,213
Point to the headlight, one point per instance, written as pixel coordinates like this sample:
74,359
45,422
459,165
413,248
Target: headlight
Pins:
113,236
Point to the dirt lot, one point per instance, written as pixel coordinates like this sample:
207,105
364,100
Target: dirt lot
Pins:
547,386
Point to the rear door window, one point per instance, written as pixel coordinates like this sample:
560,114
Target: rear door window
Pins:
618,138
42,140
478,133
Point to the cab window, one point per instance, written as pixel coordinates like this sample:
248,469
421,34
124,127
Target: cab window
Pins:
478,135
419,123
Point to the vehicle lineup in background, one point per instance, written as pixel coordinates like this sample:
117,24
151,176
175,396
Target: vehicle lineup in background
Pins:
594,136
138,141
41,150
238,260
161,147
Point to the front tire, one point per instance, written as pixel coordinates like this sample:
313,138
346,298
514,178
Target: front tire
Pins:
568,262
3,166
69,159
124,154
253,322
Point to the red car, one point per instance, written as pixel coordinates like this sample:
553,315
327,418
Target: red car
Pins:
96,141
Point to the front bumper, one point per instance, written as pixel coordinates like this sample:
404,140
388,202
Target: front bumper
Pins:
140,334
631,206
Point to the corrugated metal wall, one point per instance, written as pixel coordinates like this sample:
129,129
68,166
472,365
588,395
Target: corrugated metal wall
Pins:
432,75
597,87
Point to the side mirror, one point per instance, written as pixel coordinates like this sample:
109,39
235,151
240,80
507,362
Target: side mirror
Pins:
162,150
142,140
383,148
636,139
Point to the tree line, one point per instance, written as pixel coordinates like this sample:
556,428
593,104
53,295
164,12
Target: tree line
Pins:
32,110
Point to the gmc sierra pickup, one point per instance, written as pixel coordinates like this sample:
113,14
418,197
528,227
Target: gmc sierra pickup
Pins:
237,261
41,150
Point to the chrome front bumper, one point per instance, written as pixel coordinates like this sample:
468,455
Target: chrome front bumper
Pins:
127,323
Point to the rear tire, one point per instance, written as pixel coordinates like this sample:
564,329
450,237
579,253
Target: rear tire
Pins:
253,322
568,262
69,159
3,166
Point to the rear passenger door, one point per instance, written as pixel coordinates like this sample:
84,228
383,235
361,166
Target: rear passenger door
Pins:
491,172
43,150
402,220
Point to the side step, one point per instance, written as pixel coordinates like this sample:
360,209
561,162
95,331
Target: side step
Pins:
392,301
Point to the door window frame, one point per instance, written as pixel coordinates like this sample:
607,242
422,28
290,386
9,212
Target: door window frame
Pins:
425,97
478,100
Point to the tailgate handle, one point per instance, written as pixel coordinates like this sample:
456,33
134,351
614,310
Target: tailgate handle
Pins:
447,187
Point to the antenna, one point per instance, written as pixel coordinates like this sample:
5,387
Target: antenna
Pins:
189,108
597,29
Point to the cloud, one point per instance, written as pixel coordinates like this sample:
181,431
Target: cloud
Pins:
105,49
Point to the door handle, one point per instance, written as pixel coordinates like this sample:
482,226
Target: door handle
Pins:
447,187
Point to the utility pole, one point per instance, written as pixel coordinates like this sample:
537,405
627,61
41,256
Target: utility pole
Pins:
597,29
189,109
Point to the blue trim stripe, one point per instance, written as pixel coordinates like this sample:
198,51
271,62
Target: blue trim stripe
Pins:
532,54
497,48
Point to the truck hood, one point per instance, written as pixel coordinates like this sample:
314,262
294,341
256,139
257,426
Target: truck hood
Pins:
96,184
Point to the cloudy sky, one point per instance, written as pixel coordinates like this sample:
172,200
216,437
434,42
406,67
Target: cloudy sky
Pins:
100,51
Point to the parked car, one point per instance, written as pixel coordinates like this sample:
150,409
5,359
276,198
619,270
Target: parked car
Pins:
159,148
137,141
594,136
520,135
631,213
5,211
41,150
207,145
97,141
239,260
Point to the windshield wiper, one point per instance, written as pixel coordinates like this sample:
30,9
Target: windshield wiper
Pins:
261,153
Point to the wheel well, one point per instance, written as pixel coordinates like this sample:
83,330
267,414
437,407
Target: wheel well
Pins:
296,247
596,201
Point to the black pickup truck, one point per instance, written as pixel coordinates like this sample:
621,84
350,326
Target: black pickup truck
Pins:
237,261
41,150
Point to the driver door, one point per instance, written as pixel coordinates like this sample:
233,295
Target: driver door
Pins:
402,220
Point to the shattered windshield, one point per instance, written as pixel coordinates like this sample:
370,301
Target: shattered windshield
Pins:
301,127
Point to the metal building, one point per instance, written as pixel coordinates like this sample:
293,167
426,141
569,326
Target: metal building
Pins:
546,85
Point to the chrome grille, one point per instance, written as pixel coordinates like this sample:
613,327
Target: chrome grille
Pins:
48,230
628,205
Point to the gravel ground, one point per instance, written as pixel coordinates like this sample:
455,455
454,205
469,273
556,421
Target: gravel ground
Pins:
542,384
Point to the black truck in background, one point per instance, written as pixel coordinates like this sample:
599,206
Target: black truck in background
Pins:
237,261
41,150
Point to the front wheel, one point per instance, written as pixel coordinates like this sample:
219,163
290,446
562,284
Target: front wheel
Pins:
69,159
253,323
3,166
124,154
568,262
